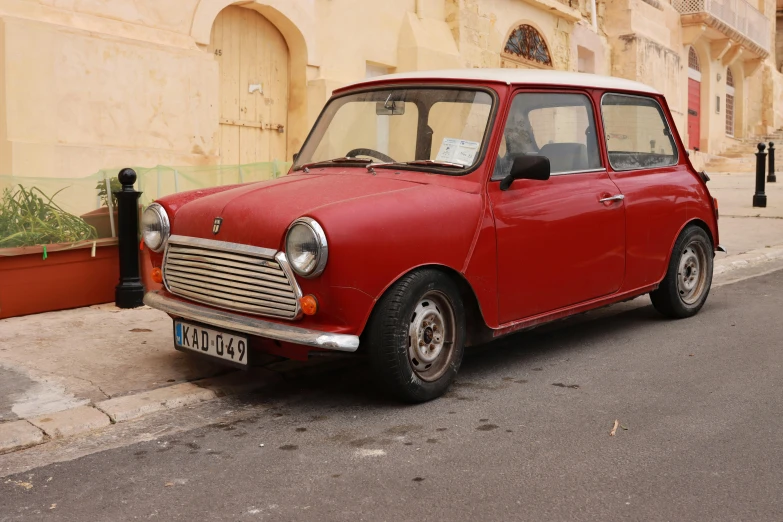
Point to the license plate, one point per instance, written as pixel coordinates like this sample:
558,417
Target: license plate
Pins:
230,347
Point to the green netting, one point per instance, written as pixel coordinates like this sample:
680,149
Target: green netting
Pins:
160,181
41,211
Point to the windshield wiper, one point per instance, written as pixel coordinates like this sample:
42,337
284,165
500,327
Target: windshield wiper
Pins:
358,161
436,163
431,163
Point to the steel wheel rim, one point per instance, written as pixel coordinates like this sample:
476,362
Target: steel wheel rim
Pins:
431,336
692,273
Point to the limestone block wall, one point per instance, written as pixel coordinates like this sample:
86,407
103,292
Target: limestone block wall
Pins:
90,84
646,46
93,84
481,27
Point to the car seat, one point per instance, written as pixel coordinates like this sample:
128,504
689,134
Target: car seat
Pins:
566,157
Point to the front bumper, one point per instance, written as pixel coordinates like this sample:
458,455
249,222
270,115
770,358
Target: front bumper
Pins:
251,326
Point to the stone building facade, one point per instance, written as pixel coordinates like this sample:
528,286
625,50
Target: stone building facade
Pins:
92,84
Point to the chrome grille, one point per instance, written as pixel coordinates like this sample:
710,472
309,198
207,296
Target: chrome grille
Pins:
232,276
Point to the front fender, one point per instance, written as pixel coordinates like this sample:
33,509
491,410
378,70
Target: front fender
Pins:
373,241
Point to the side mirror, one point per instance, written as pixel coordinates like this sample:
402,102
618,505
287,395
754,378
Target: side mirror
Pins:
527,167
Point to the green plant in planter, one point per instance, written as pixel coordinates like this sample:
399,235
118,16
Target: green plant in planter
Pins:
29,217
114,185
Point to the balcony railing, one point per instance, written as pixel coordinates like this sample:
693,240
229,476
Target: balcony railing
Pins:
737,14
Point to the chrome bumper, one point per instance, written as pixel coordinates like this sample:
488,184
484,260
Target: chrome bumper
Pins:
720,248
248,325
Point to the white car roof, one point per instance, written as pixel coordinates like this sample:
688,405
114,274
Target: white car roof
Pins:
522,76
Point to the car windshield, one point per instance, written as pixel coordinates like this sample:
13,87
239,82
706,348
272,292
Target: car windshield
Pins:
439,128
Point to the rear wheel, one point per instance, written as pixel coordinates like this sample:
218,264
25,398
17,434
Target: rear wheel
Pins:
416,336
689,277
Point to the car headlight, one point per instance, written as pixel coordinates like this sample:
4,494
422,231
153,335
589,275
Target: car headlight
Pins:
306,248
155,228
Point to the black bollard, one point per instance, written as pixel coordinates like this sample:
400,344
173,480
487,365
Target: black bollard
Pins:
130,292
771,178
759,198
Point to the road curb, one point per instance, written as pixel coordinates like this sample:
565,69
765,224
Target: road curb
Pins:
751,258
71,422
18,435
134,406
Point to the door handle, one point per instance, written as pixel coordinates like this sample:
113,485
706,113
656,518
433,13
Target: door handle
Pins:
618,197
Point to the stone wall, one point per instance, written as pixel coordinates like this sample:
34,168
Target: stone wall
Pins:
481,28
92,84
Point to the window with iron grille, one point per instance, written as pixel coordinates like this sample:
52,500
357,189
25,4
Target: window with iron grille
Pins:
693,60
526,42
729,103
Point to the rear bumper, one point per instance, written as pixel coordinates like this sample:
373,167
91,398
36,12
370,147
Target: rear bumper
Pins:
720,248
252,326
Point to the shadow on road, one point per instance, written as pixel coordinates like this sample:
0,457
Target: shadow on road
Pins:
349,382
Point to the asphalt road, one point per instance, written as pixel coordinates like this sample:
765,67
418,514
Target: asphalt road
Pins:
523,435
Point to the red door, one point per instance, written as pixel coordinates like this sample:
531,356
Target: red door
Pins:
557,244
694,106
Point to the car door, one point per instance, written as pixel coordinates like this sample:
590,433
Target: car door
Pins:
561,241
645,163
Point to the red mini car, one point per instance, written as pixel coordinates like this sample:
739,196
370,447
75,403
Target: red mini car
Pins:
431,211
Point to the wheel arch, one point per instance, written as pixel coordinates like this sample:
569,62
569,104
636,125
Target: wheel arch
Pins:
477,330
692,222
702,225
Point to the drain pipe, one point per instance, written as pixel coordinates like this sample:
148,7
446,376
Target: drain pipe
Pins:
594,15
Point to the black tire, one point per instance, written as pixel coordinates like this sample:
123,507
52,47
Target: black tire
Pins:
688,279
424,305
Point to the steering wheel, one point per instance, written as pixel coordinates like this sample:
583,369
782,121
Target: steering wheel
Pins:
369,152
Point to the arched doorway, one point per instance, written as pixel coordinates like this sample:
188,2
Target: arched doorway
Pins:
253,60
694,99
525,48
729,103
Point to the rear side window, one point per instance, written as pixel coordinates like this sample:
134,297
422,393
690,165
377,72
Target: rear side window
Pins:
637,135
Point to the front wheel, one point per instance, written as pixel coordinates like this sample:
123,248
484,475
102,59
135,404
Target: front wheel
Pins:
416,336
689,277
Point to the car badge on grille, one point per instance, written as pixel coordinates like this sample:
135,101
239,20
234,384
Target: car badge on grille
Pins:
216,225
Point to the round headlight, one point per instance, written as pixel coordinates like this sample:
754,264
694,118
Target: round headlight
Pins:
155,228
306,248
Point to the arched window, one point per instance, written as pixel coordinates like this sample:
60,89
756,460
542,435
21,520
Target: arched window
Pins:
693,60
526,44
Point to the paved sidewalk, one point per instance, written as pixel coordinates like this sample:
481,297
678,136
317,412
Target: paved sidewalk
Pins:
69,372
735,191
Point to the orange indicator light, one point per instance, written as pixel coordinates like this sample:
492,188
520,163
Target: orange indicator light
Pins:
157,275
309,304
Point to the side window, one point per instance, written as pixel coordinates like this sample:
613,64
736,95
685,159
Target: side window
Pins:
637,135
558,126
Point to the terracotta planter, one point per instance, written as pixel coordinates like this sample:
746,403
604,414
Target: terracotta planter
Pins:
99,218
68,278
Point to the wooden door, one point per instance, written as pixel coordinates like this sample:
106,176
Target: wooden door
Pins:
253,58
694,107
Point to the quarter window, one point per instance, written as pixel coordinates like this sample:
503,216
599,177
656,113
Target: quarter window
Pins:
637,135
558,126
